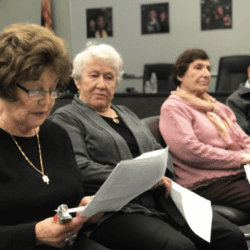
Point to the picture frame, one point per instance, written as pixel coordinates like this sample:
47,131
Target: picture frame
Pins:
155,18
216,14
99,22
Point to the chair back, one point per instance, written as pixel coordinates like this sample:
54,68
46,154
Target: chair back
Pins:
152,123
232,72
163,72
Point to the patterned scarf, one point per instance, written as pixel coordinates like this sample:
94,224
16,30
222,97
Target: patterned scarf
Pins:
207,104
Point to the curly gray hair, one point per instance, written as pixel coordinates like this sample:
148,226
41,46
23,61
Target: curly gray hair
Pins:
102,51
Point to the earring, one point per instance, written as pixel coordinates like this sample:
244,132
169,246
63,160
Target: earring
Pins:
179,78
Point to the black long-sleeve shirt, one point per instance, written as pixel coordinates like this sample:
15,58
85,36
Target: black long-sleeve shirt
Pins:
24,198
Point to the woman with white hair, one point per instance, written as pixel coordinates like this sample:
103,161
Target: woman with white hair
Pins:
104,134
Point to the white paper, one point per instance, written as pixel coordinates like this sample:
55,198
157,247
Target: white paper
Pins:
195,209
247,170
132,177
129,179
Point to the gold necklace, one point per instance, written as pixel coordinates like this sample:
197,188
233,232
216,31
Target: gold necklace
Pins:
44,177
114,119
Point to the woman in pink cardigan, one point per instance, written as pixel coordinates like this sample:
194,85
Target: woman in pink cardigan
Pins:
208,147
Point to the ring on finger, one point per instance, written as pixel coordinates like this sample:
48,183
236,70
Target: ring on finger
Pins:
71,239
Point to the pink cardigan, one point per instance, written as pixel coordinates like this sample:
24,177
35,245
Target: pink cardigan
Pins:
199,153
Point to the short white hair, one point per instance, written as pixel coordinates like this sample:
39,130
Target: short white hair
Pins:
103,52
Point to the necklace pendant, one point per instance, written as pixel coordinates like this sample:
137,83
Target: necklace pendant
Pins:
116,120
45,179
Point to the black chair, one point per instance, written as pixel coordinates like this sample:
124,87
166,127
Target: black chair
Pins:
163,72
152,123
236,216
232,72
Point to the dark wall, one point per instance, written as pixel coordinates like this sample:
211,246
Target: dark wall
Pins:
143,105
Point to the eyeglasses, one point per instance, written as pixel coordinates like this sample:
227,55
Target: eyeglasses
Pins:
39,94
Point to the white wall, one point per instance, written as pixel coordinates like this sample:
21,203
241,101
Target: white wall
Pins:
61,20
185,32
69,22
13,11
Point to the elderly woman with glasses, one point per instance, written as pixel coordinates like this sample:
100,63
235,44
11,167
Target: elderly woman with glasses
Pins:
38,171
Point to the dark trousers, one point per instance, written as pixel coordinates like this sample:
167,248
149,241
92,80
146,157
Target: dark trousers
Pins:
233,191
82,242
140,232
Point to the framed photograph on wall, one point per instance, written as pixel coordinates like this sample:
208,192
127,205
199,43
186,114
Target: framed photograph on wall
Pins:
99,22
154,18
216,14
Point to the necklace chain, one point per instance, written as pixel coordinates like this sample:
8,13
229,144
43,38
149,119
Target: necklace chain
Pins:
44,177
114,119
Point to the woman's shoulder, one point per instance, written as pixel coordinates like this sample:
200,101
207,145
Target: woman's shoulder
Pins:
225,109
69,113
72,108
68,109
52,127
222,105
54,134
124,110
173,101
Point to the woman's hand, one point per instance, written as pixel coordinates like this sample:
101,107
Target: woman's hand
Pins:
85,201
165,184
96,217
245,159
48,232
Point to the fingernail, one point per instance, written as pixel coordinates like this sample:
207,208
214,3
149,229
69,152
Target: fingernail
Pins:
55,218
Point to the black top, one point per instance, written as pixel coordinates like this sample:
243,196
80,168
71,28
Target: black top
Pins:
25,199
123,130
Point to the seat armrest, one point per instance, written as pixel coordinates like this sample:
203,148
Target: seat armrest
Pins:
234,215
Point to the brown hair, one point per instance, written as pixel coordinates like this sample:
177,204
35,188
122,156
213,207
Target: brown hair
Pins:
26,50
182,63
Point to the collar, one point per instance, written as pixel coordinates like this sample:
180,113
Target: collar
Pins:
128,117
247,84
243,90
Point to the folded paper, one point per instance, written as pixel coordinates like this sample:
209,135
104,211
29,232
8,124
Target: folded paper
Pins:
129,179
